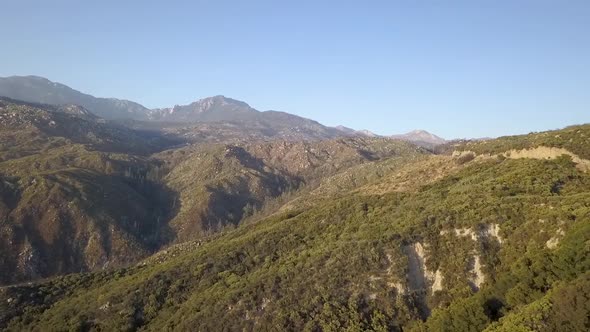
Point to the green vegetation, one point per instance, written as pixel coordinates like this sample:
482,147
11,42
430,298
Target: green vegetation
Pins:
340,264
341,235
79,194
217,184
564,308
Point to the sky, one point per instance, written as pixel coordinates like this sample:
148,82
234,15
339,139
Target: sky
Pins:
458,69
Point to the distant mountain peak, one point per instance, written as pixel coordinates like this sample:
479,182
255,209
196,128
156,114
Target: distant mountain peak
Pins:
215,108
421,137
219,100
223,99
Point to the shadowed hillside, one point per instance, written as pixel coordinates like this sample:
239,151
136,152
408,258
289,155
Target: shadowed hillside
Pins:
219,185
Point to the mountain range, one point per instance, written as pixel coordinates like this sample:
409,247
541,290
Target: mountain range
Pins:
210,119
215,216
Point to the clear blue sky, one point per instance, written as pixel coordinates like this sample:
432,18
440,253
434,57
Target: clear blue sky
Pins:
455,68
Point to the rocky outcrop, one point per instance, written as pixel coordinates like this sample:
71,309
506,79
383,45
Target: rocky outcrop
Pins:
554,241
437,282
477,277
461,232
492,230
485,231
419,276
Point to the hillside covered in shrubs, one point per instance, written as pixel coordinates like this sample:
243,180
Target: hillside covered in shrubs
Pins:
496,241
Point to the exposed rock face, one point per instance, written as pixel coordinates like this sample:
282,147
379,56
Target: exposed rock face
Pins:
477,277
489,230
29,263
462,232
437,282
492,230
419,277
554,241
401,289
416,267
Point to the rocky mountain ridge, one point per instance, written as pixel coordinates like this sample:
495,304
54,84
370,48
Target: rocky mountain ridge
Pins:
212,119
37,89
218,110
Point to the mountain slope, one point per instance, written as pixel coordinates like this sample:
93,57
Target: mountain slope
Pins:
72,209
82,194
27,128
244,131
41,90
493,242
70,201
218,185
